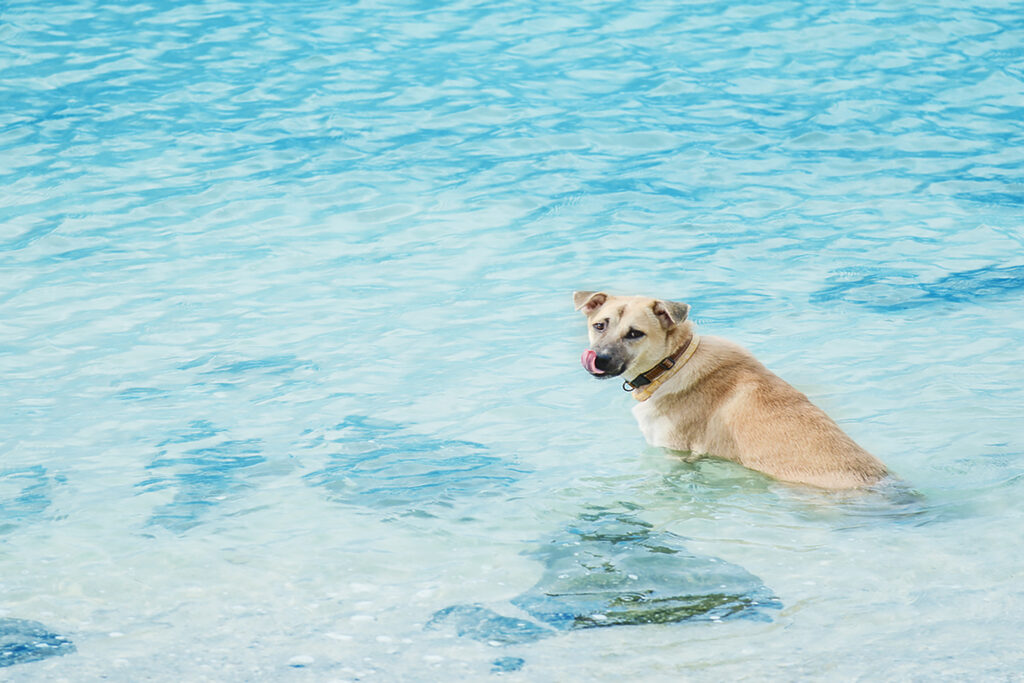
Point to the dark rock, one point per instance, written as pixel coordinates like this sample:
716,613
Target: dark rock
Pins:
504,665
381,464
480,623
25,494
610,568
29,641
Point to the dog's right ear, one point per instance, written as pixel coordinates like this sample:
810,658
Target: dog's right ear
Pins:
589,301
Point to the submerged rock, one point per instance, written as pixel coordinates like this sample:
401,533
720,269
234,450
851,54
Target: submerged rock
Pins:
382,464
29,641
486,625
504,665
25,494
610,568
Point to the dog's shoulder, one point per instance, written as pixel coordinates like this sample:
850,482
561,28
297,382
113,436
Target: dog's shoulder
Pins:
721,355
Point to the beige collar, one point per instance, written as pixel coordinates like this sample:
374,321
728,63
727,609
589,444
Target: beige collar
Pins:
647,383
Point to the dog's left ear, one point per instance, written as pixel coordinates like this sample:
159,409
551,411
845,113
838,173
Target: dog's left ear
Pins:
671,312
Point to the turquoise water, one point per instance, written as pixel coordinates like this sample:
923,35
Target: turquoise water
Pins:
291,367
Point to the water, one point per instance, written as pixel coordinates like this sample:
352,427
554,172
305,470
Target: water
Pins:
290,362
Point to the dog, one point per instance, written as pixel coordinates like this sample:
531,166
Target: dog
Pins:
708,396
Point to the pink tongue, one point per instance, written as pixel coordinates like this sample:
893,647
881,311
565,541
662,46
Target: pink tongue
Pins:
590,362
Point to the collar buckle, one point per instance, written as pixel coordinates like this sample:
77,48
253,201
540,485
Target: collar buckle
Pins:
652,379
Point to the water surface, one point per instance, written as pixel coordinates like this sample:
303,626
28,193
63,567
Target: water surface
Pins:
290,362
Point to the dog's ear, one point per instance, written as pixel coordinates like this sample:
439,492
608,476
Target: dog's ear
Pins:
589,301
671,312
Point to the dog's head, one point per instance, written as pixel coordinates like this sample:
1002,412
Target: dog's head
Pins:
630,334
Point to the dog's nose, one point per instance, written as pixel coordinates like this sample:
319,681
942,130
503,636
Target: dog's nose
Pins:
601,364
589,360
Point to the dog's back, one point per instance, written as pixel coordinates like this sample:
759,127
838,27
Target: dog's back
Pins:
726,403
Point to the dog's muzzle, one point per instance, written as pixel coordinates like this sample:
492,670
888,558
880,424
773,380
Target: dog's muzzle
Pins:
589,361
599,366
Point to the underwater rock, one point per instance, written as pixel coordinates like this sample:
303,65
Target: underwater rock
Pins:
887,289
504,665
201,477
29,641
382,464
25,494
480,623
610,568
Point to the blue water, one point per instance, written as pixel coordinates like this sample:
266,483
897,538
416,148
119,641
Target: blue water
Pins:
290,364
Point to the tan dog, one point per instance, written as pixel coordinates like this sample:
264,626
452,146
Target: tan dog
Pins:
709,396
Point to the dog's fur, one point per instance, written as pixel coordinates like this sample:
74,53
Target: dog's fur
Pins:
722,402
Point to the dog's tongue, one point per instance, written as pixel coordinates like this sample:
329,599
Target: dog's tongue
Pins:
590,362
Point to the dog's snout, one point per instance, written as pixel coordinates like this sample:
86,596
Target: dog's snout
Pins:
602,363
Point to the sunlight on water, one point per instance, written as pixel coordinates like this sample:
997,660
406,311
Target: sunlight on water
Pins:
290,361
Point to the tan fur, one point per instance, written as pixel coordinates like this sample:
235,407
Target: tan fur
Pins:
723,402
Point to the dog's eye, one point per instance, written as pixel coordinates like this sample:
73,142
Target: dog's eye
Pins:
600,326
634,334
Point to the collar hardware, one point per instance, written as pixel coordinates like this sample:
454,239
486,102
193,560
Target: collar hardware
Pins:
649,381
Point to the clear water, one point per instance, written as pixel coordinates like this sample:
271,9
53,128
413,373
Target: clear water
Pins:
290,364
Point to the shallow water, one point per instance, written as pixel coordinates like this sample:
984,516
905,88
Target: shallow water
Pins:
290,362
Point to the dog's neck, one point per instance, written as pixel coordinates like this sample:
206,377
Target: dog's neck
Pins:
645,384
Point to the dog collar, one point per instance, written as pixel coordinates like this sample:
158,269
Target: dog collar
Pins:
645,384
